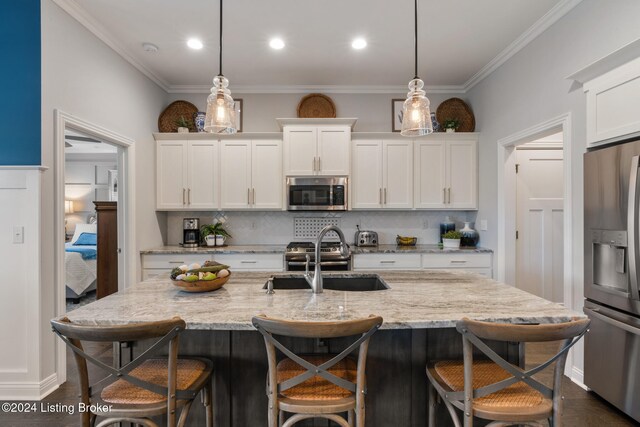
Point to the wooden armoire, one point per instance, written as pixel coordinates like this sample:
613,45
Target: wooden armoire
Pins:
107,269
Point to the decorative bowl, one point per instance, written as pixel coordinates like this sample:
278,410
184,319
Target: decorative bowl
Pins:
406,241
201,285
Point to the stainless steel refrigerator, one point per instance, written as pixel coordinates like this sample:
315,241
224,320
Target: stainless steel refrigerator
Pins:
611,273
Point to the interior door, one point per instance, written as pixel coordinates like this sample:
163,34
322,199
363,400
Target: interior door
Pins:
333,150
462,163
540,216
300,150
235,174
397,161
171,182
202,177
266,175
429,175
367,175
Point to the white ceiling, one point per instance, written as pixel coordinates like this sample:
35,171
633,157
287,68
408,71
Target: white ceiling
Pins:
79,143
459,39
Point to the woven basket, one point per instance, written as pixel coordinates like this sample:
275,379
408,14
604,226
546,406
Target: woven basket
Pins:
201,285
316,105
175,110
456,109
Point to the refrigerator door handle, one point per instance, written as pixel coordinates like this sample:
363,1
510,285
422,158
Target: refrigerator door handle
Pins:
594,313
632,228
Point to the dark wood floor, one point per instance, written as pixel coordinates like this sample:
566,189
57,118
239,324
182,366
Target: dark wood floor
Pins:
582,408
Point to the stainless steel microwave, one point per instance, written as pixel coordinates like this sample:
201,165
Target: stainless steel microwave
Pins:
315,193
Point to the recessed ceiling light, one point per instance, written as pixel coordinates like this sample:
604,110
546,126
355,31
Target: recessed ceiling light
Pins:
276,43
194,44
359,43
149,47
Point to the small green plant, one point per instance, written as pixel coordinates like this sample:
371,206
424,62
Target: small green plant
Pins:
216,229
452,235
451,124
183,123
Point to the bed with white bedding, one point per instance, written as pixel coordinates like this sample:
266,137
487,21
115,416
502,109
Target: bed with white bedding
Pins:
81,261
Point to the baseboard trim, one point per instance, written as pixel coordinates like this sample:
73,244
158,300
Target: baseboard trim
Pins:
577,376
29,390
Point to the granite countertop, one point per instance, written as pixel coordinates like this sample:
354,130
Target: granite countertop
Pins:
419,299
417,249
230,249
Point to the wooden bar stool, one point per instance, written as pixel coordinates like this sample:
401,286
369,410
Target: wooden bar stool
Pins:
495,389
144,387
316,386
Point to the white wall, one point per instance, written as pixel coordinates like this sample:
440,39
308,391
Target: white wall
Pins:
532,87
373,111
85,78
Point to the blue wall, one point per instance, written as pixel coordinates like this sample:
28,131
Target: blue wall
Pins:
20,76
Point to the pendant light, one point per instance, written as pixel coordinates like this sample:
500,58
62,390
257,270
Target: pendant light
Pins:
416,115
221,113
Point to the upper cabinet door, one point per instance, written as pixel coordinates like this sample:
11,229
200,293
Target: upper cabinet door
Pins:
266,179
397,168
235,175
430,174
334,150
300,152
202,175
366,177
462,161
171,182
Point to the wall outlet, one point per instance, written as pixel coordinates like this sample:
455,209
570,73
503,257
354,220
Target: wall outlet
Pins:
425,224
18,234
483,225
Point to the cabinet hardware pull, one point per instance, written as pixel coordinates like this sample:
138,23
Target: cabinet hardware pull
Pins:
248,196
183,196
176,262
444,196
189,196
248,262
319,164
314,163
253,196
453,261
380,196
385,196
449,195
387,262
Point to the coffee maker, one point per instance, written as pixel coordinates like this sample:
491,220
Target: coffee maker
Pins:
190,232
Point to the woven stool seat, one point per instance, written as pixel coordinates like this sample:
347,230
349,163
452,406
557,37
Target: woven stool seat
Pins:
518,395
317,388
154,371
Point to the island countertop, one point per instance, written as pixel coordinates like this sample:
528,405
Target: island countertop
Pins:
416,300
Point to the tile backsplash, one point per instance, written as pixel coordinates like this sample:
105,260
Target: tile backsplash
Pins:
278,227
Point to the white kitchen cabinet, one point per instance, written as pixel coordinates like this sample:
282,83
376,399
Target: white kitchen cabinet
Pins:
384,261
251,174
186,175
159,264
474,262
316,150
251,261
382,176
446,172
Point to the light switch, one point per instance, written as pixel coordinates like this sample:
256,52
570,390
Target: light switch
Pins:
18,234
483,225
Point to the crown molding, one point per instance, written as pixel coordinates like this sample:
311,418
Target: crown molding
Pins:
625,54
360,89
540,26
86,20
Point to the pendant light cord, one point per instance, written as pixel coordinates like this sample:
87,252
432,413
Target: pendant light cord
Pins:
220,73
415,28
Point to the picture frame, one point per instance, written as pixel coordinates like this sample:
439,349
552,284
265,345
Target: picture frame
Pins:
396,114
113,185
238,104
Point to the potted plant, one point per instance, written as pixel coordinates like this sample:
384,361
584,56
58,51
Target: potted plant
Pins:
451,239
183,125
214,234
451,125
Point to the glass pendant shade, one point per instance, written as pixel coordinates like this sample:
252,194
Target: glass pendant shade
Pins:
416,114
221,112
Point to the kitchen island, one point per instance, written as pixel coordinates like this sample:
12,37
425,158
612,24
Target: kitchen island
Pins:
420,312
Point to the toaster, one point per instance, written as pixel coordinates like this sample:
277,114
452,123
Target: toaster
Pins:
365,238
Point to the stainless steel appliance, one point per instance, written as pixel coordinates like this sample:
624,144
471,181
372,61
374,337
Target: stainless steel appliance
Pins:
365,238
317,193
332,258
190,232
611,263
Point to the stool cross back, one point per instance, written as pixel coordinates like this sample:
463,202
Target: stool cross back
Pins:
316,386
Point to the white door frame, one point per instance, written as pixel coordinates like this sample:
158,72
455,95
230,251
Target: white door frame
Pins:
506,256
126,211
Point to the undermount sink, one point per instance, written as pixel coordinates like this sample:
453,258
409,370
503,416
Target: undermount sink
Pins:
334,282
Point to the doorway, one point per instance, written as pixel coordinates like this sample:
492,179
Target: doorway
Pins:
539,217
120,185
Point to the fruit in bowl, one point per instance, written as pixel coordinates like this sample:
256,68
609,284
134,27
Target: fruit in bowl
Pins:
200,278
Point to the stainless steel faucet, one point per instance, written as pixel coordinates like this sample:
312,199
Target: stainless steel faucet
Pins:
316,281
